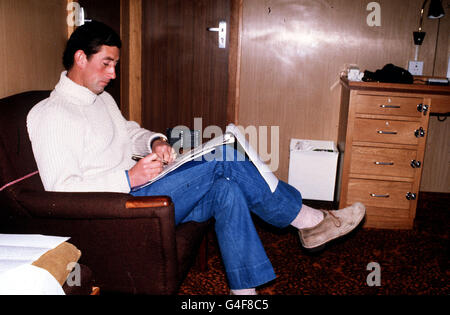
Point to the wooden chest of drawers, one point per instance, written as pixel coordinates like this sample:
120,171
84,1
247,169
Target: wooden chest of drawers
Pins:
382,137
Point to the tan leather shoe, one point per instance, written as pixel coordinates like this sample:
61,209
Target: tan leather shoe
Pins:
335,223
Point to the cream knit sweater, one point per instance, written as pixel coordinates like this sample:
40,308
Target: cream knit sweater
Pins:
81,141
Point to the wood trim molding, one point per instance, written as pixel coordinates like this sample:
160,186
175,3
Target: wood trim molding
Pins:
131,59
124,57
234,61
70,29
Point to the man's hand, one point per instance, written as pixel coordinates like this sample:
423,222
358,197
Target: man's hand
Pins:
145,170
164,151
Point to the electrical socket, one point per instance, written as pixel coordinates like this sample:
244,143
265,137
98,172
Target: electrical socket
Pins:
415,67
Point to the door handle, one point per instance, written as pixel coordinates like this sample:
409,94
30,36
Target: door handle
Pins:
222,30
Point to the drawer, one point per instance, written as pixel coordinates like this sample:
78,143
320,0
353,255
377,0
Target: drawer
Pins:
388,218
386,131
376,193
388,105
383,161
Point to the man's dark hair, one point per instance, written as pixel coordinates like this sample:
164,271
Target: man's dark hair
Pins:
89,38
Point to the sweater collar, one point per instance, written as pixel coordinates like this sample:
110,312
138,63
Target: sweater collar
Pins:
74,92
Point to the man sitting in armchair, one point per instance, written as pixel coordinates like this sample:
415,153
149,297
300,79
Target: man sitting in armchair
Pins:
82,143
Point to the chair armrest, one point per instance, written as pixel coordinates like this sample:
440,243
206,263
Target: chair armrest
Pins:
128,242
148,202
92,205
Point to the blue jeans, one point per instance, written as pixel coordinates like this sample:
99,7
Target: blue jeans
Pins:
228,189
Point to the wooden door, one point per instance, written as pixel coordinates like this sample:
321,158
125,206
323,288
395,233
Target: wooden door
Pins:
185,73
108,12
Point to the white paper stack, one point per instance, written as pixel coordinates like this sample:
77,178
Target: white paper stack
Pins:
17,275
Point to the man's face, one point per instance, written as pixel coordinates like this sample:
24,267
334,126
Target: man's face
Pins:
99,69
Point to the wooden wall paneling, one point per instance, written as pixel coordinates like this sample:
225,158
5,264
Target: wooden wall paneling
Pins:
32,40
294,50
442,48
436,167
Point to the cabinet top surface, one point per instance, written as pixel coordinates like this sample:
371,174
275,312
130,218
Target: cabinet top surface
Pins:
419,88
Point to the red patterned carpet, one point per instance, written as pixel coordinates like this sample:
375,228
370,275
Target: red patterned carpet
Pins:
412,262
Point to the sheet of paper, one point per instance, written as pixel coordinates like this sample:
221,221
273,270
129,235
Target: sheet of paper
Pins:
29,280
263,169
191,155
22,249
31,240
21,253
232,134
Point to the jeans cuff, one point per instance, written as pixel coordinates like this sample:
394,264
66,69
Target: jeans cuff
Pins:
287,201
251,277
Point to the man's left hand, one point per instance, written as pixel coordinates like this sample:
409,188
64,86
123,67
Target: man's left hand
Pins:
163,150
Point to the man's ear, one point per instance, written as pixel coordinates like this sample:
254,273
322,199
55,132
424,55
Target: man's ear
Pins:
80,58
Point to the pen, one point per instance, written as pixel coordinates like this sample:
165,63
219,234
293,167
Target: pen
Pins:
137,157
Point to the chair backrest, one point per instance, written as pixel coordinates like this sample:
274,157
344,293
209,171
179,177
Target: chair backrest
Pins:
16,154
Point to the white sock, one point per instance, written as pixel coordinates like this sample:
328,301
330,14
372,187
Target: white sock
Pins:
308,217
250,291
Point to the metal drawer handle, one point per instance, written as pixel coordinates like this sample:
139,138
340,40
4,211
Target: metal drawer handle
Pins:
423,108
380,196
384,163
389,106
387,132
415,164
419,132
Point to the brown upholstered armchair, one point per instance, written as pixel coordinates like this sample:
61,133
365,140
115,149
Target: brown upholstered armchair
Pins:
131,244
